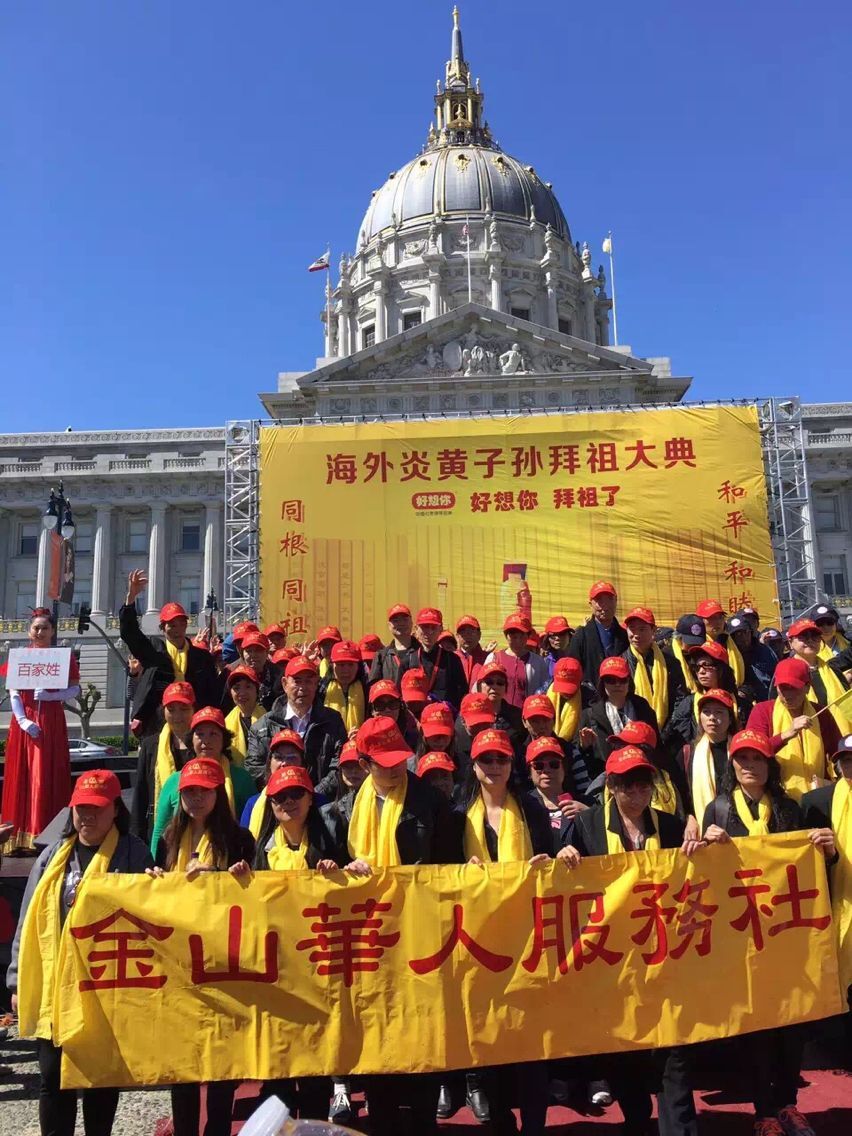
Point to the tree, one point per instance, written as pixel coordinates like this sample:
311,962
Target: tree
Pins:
84,706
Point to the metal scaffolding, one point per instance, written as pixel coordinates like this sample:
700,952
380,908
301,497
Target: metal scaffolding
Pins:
242,511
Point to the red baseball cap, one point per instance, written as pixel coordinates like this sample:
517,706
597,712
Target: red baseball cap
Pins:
544,745
203,772
517,621
448,639
329,633
717,696
477,710
437,721
287,737
750,739
254,639
380,739
369,646
96,787
172,611
275,629
538,706
708,608
491,668
431,761
643,613
533,640
467,621
602,588
179,692
567,676
429,616
491,741
289,777
345,651
284,655
399,609
209,714
241,630
800,626
623,760
557,625
636,734
242,672
715,650
301,664
792,672
348,753
384,688
614,666
415,686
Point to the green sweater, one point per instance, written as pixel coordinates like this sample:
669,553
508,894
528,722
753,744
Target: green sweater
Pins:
169,800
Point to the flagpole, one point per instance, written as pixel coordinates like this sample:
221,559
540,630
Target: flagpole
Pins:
469,288
608,245
328,301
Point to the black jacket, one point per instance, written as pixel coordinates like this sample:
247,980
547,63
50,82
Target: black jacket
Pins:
142,805
682,726
510,720
158,671
594,717
240,847
587,647
722,812
816,806
323,739
326,839
386,663
450,684
588,834
426,833
674,671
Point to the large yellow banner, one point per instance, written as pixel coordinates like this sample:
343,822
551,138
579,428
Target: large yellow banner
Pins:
486,516
429,968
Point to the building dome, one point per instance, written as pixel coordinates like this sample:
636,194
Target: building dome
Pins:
462,180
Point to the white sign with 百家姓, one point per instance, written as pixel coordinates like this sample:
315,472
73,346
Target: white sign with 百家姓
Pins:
38,668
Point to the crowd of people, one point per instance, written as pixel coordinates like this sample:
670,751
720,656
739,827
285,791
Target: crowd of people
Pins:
259,755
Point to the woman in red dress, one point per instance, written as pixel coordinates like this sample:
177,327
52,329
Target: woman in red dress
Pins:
37,776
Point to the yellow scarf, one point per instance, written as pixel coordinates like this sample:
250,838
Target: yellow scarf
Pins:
349,705
179,659
567,713
688,677
658,693
736,660
373,837
803,757
41,935
834,689
839,643
735,713
513,839
203,851
324,668
759,827
164,766
225,766
613,840
283,858
258,812
703,777
841,878
234,723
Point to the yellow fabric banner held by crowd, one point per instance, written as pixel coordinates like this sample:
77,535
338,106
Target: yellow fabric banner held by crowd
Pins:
427,968
492,515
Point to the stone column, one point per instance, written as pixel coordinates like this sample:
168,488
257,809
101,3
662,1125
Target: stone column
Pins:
496,287
6,533
212,551
552,314
434,294
102,562
43,570
381,312
343,329
157,559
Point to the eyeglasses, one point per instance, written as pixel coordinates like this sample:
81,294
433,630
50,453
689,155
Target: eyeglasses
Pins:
547,766
289,795
706,665
494,759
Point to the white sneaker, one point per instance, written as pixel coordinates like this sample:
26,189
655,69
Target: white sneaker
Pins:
341,1108
599,1094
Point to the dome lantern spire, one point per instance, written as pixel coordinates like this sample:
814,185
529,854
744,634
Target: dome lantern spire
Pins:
458,106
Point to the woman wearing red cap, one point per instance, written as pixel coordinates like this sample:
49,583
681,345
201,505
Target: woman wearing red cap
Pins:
203,836
286,748
556,640
828,685
437,730
37,776
255,654
385,698
95,839
705,760
243,687
712,671
752,802
345,689
493,681
210,738
617,704
801,737
160,755
539,718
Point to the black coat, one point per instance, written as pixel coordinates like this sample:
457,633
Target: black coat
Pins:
323,740
594,717
450,685
426,833
386,663
816,806
142,805
721,811
674,671
326,839
587,647
682,726
510,720
158,671
588,834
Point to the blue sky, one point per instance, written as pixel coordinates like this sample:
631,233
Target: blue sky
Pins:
172,168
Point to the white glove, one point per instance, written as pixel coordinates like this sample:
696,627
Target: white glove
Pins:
31,729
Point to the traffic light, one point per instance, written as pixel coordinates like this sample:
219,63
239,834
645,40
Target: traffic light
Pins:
84,618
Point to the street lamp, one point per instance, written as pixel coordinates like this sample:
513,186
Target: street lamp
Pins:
57,518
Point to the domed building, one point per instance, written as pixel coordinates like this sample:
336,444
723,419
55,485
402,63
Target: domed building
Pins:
465,269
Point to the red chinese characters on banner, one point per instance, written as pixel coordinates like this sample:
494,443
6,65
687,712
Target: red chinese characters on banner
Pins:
694,919
459,937
589,938
132,967
202,976
293,511
756,910
347,946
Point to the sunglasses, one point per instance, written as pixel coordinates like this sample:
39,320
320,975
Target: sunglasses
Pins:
289,795
494,759
808,636
547,766
706,665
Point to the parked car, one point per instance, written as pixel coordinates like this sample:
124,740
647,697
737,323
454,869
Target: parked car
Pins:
86,748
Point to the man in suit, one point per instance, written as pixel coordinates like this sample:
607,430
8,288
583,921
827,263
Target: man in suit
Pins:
602,636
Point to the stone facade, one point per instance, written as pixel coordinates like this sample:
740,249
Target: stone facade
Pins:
828,448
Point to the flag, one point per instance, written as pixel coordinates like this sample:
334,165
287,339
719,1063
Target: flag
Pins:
607,244
320,263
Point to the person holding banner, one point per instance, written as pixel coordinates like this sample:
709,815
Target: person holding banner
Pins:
752,802
657,675
95,839
160,755
243,686
828,686
203,836
602,636
304,836
286,748
37,774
